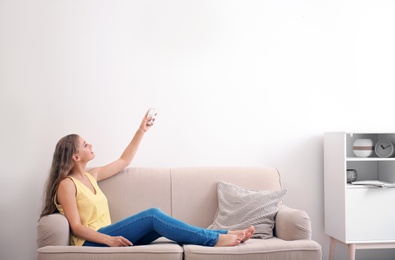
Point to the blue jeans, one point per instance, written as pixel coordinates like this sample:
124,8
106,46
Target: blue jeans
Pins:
147,226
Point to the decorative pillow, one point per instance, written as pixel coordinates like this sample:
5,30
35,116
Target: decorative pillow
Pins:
239,208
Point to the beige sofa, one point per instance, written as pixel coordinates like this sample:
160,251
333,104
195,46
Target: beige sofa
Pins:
188,194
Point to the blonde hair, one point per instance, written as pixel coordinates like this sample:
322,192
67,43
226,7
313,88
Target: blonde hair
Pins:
62,164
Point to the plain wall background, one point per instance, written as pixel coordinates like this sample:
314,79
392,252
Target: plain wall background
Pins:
242,82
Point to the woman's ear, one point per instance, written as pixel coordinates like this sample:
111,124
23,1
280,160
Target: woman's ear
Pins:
76,157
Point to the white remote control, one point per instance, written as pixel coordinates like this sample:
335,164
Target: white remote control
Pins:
151,115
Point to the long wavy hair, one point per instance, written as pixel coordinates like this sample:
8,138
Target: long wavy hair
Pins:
62,164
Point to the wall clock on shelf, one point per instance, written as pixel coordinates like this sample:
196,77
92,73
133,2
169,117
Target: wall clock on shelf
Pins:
384,148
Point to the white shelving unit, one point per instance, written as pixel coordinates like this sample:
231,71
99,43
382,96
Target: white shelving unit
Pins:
361,217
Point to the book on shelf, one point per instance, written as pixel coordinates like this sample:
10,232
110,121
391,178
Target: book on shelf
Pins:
375,183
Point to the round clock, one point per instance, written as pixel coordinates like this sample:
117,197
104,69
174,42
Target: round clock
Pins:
384,148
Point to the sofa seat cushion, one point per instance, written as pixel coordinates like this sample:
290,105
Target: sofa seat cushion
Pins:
262,249
154,251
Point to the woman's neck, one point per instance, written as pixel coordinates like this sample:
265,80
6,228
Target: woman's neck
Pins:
78,171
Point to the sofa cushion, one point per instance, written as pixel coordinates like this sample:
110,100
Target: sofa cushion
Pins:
239,208
194,189
253,249
136,189
154,251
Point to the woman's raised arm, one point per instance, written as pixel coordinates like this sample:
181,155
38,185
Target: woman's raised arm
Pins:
104,172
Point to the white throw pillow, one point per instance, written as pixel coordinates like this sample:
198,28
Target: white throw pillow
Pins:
239,208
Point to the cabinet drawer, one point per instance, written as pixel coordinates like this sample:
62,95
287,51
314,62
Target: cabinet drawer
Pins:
370,214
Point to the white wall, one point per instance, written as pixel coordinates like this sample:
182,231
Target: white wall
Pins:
243,82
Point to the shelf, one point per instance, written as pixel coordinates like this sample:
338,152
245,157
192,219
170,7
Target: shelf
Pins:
351,186
370,159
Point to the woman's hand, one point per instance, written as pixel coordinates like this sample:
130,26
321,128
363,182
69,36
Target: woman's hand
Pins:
147,122
119,241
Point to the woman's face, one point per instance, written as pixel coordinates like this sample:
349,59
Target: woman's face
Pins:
85,152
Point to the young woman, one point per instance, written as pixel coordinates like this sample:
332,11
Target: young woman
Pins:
73,191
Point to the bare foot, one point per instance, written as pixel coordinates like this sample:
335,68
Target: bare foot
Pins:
230,239
248,233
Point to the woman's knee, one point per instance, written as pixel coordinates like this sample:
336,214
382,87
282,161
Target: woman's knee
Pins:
154,211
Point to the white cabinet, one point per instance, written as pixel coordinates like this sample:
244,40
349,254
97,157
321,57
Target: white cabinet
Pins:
359,216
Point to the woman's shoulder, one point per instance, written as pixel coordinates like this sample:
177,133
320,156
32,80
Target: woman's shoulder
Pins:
66,184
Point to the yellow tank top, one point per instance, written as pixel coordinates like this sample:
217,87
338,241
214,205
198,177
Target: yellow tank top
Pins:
93,208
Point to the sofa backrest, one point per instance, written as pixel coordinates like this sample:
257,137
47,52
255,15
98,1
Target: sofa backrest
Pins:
188,194
137,189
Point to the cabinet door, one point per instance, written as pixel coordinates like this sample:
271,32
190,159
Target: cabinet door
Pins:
370,214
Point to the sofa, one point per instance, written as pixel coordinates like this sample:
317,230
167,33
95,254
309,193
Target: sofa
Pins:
189,194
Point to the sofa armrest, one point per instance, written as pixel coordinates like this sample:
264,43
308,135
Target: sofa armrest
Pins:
292,224
53,230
